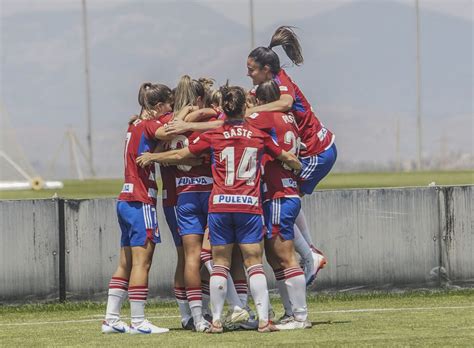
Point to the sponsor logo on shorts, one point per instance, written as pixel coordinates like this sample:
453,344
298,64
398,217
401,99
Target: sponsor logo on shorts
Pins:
199,180
127,188
289,182
235,199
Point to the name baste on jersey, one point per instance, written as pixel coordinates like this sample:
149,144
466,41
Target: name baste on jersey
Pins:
140,183
236,151
279,180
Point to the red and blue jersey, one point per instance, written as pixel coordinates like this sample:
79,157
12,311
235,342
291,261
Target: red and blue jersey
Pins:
191,178
315,138
140,183
279,180
169,195
236,150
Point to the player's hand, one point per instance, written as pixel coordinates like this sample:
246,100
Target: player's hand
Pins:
176,127
132,119
145,159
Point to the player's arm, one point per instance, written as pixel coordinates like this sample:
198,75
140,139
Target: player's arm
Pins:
290,160
185,112
169,157
274,150
161,134
283,105
179,127
201,115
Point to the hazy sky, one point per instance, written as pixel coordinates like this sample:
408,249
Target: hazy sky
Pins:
348,65
265,10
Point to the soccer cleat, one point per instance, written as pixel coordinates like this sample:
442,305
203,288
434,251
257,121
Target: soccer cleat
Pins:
271,313
202,326
266,326
208,317
145,328
237,316
188,325
216,327
308,269
294,325
285,318
114,327
251,323
319,261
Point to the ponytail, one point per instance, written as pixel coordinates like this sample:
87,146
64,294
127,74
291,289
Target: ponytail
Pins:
186,93
149,95
233,101
284,36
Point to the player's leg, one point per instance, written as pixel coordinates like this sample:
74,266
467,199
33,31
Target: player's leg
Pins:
192,224
237,271
222,255
222,239
249,235
144,236
206,294
315,168
206,271
233,298
179,286
118,289
268,212
238,274
280,248
118,285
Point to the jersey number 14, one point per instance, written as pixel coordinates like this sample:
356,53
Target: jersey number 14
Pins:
247,167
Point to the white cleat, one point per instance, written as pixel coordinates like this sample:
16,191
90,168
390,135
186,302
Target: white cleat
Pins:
308,268
319,262
271,314
216,327
266,326
251,323
285,319
146,328
237,316
115,327
202,326
294,325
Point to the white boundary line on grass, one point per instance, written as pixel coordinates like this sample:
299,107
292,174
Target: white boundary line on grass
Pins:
364,310
403,309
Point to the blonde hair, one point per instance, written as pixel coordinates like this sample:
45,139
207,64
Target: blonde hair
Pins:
187,92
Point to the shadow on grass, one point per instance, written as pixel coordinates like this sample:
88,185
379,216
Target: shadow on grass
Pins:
331,322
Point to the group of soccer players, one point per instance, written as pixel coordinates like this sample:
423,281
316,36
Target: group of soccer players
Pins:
222,152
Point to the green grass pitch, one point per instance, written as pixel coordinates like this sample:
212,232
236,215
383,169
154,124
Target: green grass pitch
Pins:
111,187
431,319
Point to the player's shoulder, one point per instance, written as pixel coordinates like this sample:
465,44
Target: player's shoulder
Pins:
256,132
165,118
263,117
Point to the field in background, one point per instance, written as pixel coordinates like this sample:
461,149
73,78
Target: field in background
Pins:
111,187
438,319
